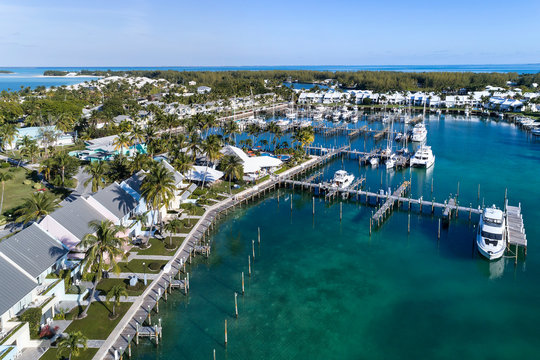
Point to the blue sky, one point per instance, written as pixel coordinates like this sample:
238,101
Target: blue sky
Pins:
293,32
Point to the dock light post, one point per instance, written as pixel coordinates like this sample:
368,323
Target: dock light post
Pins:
144,271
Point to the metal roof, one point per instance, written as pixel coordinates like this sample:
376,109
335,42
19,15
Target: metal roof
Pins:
33,249
135,181
116,200
75,217
15,285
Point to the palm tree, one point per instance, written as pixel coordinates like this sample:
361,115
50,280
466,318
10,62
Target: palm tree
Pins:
4,176
122,141
101,245
37,206
72,344
115,294
30,151
211,146
174,226
158,188
97,171
183,163
139,162
137,135
62,159
8,132
46,168
233,168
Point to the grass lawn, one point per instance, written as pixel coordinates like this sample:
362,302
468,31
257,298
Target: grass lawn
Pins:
136,266
96,325
192,209
223,187
158,247
15,190
87,354
106,284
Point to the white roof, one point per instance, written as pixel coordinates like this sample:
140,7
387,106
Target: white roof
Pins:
233,150
198,174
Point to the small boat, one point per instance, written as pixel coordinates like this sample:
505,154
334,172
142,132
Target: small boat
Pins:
374,161
536,131
398,137
423,157
419,133
291,115
342,179
491,236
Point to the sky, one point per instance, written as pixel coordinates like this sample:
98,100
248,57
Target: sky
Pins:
249,33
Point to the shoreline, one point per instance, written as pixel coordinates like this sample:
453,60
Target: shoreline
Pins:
108,345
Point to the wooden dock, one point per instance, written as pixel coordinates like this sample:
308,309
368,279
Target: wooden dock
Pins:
388,206
515,230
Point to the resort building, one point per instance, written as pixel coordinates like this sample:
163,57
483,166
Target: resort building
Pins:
255,167
45,136
203,89
105,149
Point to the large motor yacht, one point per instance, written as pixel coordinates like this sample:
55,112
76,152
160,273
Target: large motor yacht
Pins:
342,179
419,133
423,157
491,236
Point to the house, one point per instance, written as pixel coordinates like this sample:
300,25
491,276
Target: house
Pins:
114,203
203,89
254,166
44,135
192,83
26,258
105,149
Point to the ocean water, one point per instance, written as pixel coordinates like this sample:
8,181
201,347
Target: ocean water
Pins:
325,289
32,76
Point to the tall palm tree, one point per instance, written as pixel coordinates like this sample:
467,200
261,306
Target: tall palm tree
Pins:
233,168
101,245
37,206
174,226
137,135
97,171
183,163
139,162
30,151
46,168
211,146
8,133
4,176
62,160
72,344
157,189
116,293
122,141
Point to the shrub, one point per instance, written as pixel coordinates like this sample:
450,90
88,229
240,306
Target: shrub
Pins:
27,182
153,266
4,165
33,317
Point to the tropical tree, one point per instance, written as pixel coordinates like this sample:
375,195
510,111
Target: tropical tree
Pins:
102,245
233,168
158,189
115,294
174,226
97,171
72,344
4,176
211,146
62,160
183,163
122,141
8,133
30,151
139,162
37,206
304,136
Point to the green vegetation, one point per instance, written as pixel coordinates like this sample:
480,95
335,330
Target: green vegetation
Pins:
52,354
6,72
33,317
96,325
136,266
192,209
158,247
17,189
106,285
55,73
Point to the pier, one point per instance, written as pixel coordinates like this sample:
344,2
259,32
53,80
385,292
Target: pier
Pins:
515,230
388,206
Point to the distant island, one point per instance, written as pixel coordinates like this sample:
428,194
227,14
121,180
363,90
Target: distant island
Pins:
69,73
6,72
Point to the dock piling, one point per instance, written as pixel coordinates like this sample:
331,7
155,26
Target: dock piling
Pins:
236,304
242,283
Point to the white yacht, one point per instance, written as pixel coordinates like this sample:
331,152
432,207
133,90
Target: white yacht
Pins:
423,157
342,179
336,115
291,115
390,162
282,123
374,161
491,239
419,133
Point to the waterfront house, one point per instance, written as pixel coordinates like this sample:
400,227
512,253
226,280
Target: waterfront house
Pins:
203,89
255,167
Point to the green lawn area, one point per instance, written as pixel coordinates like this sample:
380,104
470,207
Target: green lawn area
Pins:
136,266
15,190
96,325
87,354
106,284
223,187
192,209
158,247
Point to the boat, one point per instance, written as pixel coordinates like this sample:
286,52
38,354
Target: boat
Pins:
491,235
374,161
398,137
536,131
423,157
291,115
342,179
419,133
390,162
282,123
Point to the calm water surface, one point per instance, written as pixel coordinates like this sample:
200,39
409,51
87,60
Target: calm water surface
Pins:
325,289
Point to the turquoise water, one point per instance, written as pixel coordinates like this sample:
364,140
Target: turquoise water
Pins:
325,289
31,76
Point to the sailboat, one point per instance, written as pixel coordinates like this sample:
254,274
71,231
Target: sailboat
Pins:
391,157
